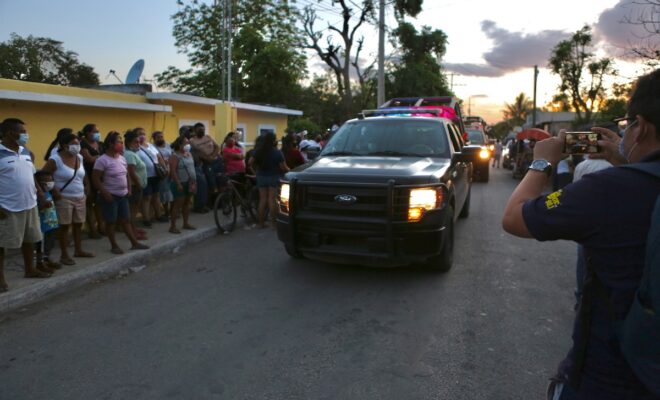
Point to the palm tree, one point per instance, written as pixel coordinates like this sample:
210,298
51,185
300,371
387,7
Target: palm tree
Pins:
518,110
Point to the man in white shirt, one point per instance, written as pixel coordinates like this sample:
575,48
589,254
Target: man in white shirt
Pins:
19,216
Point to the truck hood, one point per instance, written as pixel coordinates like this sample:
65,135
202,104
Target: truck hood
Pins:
375,169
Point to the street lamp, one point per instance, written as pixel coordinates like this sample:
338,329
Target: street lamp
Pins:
474,96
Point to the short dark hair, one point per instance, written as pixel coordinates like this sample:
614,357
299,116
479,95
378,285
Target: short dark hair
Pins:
111,139
10,124
645,99
39,175
177,144
197,125
130,136
65,136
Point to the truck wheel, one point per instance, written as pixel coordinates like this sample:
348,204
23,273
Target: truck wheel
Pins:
443,261
485,171
465,211
292,251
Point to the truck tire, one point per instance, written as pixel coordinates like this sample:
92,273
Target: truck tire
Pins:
292,251
443,261
485,172
465,211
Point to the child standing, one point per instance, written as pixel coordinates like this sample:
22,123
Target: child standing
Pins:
49,225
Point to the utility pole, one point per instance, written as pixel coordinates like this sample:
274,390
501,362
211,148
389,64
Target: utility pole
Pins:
381,55
536,74
229,45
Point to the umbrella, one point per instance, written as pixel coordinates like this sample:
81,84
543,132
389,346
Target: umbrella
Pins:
533,133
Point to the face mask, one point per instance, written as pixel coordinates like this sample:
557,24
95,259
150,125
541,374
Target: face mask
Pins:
142,139
48,186
199,134
160,142
186,147
119,147
23,139
74,149
96,137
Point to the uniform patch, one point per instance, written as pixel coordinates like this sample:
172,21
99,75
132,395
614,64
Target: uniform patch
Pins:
553,200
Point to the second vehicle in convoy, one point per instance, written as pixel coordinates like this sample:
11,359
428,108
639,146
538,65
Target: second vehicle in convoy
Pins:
386,190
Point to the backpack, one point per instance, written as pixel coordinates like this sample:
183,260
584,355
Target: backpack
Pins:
639,335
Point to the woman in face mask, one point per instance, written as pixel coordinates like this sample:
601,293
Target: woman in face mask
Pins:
91,149
70,191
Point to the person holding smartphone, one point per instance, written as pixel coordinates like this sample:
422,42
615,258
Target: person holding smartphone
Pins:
609,214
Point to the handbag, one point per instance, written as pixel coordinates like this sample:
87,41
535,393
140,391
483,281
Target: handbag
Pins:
161,170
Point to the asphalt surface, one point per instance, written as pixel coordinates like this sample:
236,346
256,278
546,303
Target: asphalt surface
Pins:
234,317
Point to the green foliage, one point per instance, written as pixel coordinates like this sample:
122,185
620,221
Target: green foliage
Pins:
419,73
266,64
408,7
39,59
580,73
304,124
501,129
516,112
321,103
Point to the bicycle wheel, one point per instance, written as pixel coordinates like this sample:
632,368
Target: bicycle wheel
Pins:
224,212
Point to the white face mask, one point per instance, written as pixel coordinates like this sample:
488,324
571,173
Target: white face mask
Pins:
48,186
186,147
74,149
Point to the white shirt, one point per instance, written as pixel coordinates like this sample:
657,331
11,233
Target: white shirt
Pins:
589,166
149,156
17,190
62,175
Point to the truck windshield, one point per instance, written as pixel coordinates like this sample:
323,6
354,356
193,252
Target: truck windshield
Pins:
475,136
395,137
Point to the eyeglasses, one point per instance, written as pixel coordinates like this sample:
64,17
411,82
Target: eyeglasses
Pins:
625,122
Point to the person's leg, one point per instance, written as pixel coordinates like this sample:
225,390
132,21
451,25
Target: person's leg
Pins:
77,241
202,190
186,212
3,283
90,217
109,210
49,240
145,203
174,213
30,271
99,218
272,205
65,258
263,203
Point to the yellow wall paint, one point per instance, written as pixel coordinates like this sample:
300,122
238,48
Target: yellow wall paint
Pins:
252,120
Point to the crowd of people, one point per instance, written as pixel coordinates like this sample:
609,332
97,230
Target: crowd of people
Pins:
126,181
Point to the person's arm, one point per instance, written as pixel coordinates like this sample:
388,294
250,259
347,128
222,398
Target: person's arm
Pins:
284,167
134,178
86,185
96,178
609,147
531,186
87,156
51,167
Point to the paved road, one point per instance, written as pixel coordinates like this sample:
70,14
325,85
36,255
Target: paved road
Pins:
235,318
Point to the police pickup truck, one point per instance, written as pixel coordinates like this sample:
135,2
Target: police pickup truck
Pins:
386,190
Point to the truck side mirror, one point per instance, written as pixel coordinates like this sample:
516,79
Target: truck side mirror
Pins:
468,154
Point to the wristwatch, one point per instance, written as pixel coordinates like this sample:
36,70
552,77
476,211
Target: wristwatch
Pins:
541,166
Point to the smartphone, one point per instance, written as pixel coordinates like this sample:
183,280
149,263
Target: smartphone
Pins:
581,143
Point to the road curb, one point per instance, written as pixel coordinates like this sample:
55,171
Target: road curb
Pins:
43,289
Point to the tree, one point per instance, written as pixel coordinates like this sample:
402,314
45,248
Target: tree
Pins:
647,48
338,55
572,60
266,63
418,73
517,111
40,59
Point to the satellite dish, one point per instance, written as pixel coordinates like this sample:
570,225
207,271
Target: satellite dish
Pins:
135,72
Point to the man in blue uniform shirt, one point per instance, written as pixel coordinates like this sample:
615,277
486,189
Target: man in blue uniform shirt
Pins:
609,214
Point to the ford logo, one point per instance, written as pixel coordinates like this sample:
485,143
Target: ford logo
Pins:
345,199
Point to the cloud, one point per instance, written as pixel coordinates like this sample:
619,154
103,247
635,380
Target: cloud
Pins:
512,51
618,29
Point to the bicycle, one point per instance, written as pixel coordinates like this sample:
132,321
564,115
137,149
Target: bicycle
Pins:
230,197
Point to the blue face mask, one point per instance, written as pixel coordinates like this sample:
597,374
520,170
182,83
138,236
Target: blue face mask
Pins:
23,139
96,137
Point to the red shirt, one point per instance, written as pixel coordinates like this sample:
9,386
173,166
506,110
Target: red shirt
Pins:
294,158
232,165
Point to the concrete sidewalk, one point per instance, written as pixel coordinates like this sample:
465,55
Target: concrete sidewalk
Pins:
23,291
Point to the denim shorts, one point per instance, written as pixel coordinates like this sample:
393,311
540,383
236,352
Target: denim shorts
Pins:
268,181
114,210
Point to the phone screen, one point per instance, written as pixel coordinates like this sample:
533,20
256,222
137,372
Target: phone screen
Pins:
581,143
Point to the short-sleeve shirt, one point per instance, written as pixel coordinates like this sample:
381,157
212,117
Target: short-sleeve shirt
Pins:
232,165
271,165
294,158
165,151
17,189
149,156
48,215
114,171
65,175
202,146
609,214
132,158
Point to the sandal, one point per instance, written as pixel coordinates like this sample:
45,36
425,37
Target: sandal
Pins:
52,264
140,246
175,230
37,274
116,250
84,254
189,227
67,261
44,268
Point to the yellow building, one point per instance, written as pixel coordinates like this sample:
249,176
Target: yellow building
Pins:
47,108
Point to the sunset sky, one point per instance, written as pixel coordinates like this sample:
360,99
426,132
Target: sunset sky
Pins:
493,45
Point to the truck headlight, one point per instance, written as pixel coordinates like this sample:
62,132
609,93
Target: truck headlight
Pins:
422,200
283,198
484,154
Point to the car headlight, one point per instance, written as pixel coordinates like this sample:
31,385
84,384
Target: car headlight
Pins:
283,198
423,200
484,154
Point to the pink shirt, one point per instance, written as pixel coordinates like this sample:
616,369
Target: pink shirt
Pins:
232,165
114,171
